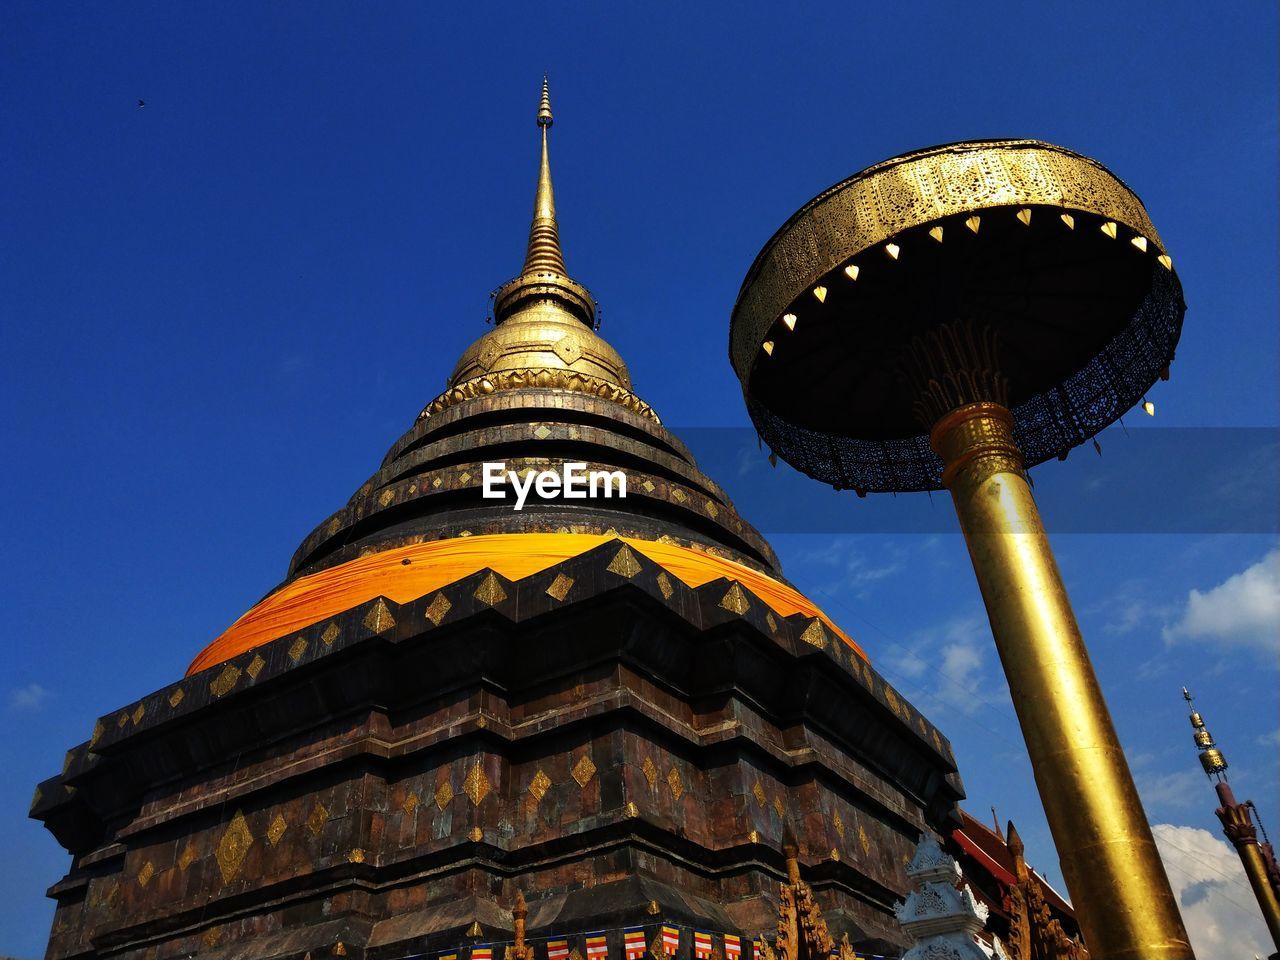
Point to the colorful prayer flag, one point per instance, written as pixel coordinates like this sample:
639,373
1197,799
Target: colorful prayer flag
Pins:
702,945
633,944
482,951
597,947
671,939
732,946
557,950
756,951
448,956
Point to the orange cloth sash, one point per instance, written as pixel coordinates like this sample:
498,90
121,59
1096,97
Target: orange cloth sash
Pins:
438,563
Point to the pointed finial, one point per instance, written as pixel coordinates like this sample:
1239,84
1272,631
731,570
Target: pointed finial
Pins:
1211,758
544,108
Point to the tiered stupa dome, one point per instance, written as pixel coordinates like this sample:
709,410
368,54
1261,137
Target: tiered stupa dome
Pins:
540,389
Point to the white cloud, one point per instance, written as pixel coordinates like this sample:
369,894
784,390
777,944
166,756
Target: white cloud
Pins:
1218,908
1182,788
30,697
1243,610
950,663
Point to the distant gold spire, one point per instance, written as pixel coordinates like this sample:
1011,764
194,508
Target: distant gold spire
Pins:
544,254
1211,757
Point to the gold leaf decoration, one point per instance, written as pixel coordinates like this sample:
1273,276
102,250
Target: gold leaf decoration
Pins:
385,497
98,729
233,847
735,601
664,584
379,618
330,634
440,606
444,794
758,792
187,856
356,856
835,854
890,698
255,666
410,804
838,824
862,839
476,835
650,771
298,648
146,873
711,509
490,590
542,431
937,741
679,495
477,785
631,809
773,624
778,807
277,829
624,563
675,782
539,785
560,587
815,634
464,478
212,936
648,486
584,770
226,681
319,817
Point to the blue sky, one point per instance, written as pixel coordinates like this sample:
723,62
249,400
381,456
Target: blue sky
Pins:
220,309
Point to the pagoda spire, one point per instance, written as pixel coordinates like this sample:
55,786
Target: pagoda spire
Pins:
544,282
544,254
1237,819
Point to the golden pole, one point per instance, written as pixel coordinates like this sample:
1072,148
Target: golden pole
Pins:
1118,885
1239,829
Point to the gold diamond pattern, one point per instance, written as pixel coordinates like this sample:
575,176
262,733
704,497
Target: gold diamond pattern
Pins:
146,873
815,633
675,782
439,606
664,584
122,720
98,731
477,785
754,836
835,854
778,807
890,698
187,856
567,349
410,804
862,839
542,431
624,563
330,634
650,771
735,600
838,824
233,847
773,624
379,618
490,590
319,817
226,681
937,741
385,498
255,666
464,478
139,713
648,486
679,495
758,792
711,509
584,770
444,794
560,587
356,856
476,835
298,648
277,829
539,785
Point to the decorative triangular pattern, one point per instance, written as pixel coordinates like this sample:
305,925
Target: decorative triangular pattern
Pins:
379,618
490,590
624,563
